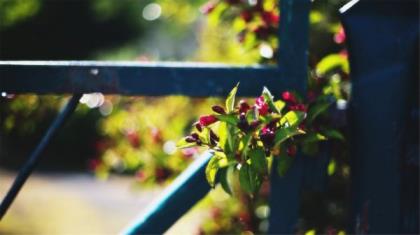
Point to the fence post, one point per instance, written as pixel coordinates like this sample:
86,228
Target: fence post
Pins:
382,39
293,54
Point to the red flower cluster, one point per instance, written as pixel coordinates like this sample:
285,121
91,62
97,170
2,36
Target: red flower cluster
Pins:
266,27
207,120
261,106
292,102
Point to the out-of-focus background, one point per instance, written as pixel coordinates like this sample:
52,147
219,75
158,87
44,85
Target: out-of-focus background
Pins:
116,154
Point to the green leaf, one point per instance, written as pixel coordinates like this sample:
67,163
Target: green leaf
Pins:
204,135
269,99
232,140
334,134
280,104
230,100
223,137
285,133
284,164
249,179
331,167
331,62
313,137
245,144
258,160
229,118
211,170
216,162
223,174
317,109
182,144
293,118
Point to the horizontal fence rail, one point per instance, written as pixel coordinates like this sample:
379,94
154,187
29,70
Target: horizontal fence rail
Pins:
138,78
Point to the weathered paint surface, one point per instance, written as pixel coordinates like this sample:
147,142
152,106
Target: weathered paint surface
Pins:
131,78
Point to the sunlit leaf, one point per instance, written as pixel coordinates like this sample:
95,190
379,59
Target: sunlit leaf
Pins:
184,144
293,118
280,105
232,140
331,62
229,118
313,137
204,135
269,100
245,144
216,162
223,137
285,133
331,167
310,232
315,17
230,100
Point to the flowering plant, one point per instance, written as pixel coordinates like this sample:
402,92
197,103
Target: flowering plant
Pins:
245,137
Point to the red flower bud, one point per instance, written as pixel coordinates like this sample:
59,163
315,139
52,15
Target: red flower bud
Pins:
218,109
213,142
298,107
190,139
207,120
198,127
243,106
289,97
213,136
267,136
261,106
262,32
134,139
195,136
340,36
161,174
156,135
141,176
270,18
243,123
189,152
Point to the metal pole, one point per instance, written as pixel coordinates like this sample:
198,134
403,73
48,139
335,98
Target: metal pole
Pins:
30,164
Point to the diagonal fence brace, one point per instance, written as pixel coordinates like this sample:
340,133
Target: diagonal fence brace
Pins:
31,163
186,190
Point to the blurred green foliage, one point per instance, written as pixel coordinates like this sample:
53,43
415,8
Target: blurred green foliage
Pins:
15,11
